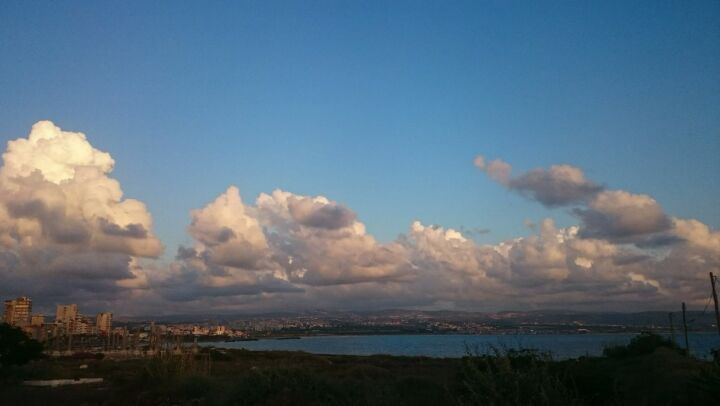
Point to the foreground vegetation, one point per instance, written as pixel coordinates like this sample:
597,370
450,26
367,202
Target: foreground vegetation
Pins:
650,370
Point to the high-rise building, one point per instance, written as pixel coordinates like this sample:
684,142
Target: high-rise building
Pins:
66,314
103,323
37,320
82,325
36,329
17,311
66,318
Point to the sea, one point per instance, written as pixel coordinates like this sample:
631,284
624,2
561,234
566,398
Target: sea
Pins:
450,346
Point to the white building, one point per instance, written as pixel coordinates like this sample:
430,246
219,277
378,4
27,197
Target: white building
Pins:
103,323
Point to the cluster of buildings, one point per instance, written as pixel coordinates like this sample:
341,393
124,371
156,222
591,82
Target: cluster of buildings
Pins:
68,321
195,330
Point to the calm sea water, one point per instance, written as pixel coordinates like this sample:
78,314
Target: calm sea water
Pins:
561,346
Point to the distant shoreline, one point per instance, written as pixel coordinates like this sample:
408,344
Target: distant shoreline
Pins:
406,333
564,346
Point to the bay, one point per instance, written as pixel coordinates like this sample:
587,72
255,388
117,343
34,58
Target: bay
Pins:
560,346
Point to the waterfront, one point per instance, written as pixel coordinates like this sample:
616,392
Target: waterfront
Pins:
562,346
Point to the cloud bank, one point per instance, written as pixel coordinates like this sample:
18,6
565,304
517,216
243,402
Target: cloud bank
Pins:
67,233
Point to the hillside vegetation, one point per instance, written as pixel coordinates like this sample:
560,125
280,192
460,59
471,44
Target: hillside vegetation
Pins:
648,371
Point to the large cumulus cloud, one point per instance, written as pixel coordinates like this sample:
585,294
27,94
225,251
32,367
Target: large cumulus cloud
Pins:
289,250
323,243
625,241
336,263
67,233
229,234
283,243
64,225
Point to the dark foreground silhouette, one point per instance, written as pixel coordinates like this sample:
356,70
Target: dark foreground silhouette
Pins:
648,371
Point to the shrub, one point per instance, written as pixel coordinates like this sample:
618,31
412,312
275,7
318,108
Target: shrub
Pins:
170,367
643,344
513,377
195,386
708,380
289,386
16,348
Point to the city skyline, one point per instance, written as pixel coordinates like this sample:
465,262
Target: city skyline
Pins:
68,320
250,159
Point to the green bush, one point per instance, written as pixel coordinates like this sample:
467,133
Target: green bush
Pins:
16,348
643,344
195,387
168,367
513,377
708,380
289,386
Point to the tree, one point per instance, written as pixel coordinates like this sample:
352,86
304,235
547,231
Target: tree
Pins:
16,348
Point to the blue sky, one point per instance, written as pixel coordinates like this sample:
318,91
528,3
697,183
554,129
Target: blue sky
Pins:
378,105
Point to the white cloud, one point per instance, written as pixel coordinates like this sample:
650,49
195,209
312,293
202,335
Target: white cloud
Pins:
67,231
560,185
619,214
498,170
229,232
63,220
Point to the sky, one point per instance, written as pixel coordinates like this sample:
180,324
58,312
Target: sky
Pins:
249,156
